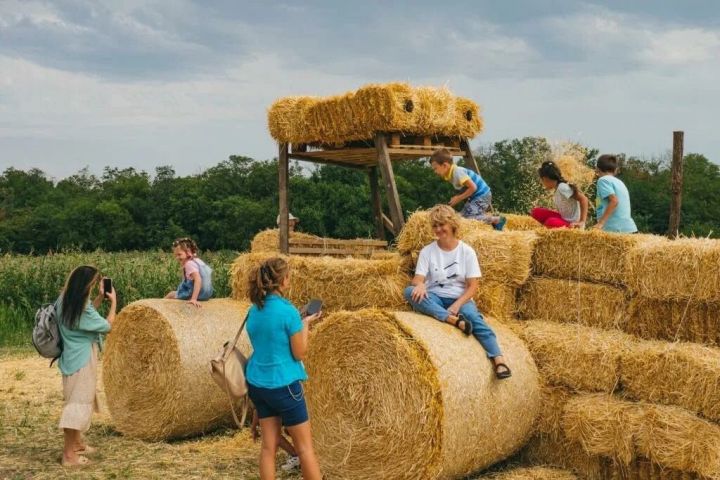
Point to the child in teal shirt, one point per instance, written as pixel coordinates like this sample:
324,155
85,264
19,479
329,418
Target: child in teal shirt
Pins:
613,199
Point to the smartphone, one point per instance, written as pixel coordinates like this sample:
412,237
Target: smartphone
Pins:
107,285
313,307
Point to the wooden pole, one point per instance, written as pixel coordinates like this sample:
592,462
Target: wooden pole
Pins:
376,203
386,170
283,186
676,185
468,156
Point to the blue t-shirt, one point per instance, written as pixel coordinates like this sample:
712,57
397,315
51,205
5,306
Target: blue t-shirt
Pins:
621,219
459,176
272,364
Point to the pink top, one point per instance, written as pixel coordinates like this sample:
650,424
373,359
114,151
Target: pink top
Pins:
191,266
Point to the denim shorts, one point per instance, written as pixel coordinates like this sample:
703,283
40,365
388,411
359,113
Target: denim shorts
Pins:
286,402
185,291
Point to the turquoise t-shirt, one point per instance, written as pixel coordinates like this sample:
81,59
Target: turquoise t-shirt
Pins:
77,343
621,219
272,364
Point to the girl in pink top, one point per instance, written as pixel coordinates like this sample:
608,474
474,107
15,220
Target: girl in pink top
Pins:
196,285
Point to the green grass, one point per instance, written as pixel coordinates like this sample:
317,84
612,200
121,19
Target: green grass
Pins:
27,281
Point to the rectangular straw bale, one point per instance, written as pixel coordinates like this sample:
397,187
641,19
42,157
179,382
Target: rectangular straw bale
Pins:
357,115
685,269
521,222
586,254
504,257
341,283
592,304
582,358
496,300
269,240
644,469
682,374
561,453
683,320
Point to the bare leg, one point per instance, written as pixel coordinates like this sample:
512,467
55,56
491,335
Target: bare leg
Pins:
302,439
171,295
270,433
72,443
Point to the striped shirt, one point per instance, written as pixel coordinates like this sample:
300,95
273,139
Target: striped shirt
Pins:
458,176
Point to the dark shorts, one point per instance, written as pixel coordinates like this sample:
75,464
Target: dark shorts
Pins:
287,402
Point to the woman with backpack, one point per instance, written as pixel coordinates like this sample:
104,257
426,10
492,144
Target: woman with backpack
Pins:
81,327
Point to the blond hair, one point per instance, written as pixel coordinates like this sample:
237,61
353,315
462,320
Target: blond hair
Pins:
445,215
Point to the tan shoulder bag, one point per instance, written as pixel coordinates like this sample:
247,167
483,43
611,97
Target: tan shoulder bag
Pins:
228,371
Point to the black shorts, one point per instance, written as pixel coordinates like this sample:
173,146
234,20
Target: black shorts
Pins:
286,402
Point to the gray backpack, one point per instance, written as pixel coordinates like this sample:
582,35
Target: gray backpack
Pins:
46,333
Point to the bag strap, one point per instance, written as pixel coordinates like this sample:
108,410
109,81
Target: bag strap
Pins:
237,337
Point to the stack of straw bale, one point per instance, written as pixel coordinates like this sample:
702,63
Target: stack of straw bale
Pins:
417,232
521,222
559,300
400,395
155,366
341,283
677,291
531,473
391,107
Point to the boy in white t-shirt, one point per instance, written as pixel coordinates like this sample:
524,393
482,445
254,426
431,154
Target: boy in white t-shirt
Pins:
446,279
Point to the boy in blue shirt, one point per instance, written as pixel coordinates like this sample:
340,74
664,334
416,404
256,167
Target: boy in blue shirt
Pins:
474,189
613,199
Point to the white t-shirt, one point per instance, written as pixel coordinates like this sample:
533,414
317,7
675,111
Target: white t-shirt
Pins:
445,272
568,207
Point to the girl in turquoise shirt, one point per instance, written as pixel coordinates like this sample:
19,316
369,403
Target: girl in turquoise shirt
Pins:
279,338
80,328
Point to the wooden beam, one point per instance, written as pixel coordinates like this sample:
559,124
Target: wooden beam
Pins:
283,187
676,185
325,161
376,203
395,139
386,170
468,156
388,223
337,243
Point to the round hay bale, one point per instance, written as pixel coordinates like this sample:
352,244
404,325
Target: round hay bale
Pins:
401,395
156,366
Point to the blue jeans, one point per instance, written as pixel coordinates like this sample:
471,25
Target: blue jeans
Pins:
436,307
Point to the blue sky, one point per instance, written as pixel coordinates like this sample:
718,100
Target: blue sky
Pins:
187,83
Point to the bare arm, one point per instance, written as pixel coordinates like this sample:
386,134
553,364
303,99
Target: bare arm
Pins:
584,204
471,286
419,293
112,296
197,285
612,205
470,189
299,342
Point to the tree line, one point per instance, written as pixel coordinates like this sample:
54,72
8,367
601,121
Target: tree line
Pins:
224,206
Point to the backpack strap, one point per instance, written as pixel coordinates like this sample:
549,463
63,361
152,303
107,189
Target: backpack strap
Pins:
246,405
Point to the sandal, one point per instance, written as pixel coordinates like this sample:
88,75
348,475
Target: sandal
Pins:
502,374
467,328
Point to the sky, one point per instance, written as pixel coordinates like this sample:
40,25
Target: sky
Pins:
130,83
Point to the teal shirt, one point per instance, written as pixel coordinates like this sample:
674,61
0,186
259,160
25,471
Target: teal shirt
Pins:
621,220
272,364
77,343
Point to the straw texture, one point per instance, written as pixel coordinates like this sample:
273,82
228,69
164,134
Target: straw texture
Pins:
496,300
400,395
684,320
532,473
587,254
155,366
579,357
357,115
268,241
693,264
561,453
521,222
682,374
417,232
341,283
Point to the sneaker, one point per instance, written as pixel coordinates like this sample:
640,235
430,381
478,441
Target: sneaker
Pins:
292,463
501,224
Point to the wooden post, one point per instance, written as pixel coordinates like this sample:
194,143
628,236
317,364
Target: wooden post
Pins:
283,186
468,156
676,185
386,170
376,203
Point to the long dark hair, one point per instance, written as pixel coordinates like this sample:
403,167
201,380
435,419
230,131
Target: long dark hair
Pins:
551,171
267,278
76,293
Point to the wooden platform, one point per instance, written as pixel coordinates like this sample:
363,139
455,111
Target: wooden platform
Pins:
335,247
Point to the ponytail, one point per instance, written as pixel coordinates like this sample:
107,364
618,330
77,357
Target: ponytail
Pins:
551,171
267,278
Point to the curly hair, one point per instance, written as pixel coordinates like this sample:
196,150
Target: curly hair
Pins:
186,243
267,278
445,215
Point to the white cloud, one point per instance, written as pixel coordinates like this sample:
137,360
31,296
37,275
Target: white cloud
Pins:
682,46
